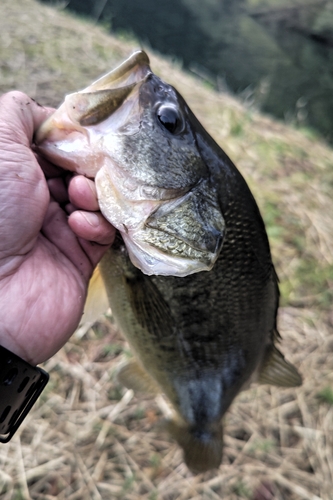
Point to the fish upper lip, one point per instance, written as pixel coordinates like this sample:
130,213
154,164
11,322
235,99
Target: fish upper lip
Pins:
133,70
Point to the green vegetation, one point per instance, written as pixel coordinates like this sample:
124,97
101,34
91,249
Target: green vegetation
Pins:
112,349
155,461
263,445
326,395
19,495
139,412
242,490
128,483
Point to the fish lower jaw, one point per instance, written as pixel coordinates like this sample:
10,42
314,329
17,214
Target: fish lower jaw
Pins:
62,158
152,261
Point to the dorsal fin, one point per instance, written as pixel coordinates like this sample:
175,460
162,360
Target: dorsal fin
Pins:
275,370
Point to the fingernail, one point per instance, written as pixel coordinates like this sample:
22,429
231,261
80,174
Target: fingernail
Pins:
92,187
91,218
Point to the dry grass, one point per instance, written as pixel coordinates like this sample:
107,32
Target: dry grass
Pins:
88,438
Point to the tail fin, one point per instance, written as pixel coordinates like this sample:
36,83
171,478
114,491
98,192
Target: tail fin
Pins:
202,448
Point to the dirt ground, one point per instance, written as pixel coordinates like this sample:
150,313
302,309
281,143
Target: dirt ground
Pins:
89,438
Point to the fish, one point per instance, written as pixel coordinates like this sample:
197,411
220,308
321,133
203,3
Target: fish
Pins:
190,278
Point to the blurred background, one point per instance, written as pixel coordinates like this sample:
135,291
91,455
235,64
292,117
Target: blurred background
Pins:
276,54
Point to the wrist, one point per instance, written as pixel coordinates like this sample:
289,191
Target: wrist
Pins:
20,386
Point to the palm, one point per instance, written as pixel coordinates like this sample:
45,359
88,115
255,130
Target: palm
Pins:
49,297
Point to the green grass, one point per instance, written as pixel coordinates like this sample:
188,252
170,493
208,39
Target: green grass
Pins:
112,349
326,395
315,280
263,445
242,490
128,483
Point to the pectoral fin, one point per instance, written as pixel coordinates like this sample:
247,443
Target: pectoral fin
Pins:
276,370
97,301
151,310
134,376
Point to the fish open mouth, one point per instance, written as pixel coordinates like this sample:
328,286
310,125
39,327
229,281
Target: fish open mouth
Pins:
110,101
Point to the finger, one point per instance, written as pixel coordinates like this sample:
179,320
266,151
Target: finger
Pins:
95,251
58,190
69,208
82,193
57,230
92,226
50,170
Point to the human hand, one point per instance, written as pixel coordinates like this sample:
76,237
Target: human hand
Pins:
46,259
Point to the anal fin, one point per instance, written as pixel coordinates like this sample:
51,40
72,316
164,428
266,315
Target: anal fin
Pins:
134,376
276,370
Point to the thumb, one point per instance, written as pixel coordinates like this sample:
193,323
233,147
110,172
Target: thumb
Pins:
20,117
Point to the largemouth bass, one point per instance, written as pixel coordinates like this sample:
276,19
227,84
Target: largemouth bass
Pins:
190,279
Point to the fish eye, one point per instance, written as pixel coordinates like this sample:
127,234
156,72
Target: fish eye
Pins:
169,118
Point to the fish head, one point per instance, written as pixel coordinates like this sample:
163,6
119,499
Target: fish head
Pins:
136,136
